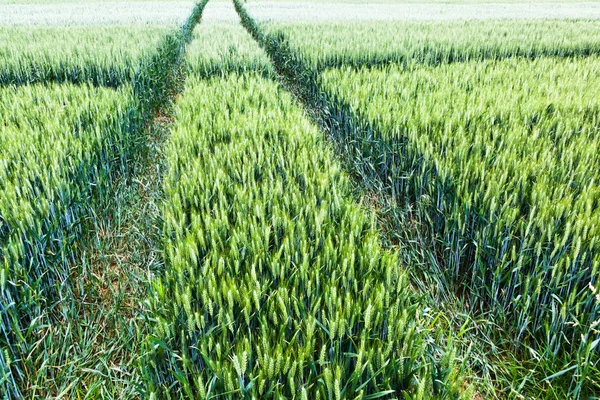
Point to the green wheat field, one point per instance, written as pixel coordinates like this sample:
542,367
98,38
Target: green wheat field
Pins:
253,199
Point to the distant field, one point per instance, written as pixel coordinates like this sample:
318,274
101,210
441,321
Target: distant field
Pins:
95,13
248,2
364,2
316,11
421,1
86,2
56,12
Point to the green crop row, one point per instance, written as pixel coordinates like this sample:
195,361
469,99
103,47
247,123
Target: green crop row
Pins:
496,160
101,56
62,147
76,137
502,159
325,45
222,48
276,285
158,74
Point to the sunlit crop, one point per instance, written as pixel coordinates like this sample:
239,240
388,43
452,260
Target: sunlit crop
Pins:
221,48
300,210
275,282
75,139
101,56
323,45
